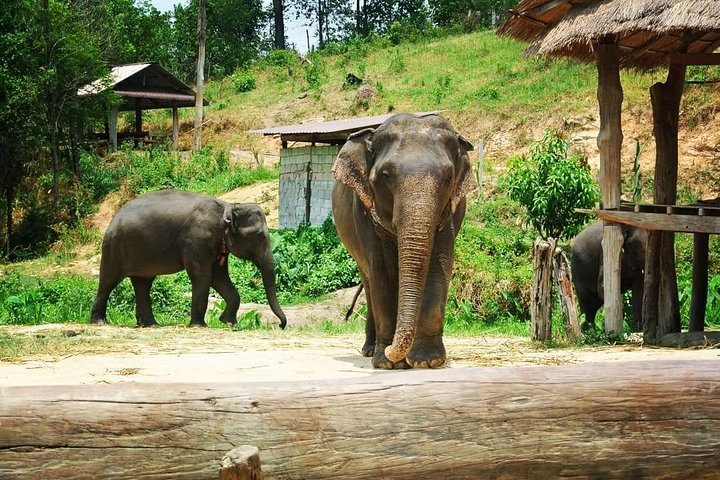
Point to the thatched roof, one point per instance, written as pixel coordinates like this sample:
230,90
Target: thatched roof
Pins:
647,31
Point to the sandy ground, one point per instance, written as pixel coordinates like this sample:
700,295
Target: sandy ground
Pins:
178,354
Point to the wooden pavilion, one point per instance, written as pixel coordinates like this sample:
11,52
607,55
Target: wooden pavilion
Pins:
640,34
142,86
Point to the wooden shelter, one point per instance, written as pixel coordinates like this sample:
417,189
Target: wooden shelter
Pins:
142,86
639,34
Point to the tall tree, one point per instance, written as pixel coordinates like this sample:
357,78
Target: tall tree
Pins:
232,39
334,19
279,22
200,82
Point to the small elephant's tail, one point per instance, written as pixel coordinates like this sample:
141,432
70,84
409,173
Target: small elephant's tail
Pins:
354,301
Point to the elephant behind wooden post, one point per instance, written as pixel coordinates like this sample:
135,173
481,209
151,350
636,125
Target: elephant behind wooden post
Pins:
587,272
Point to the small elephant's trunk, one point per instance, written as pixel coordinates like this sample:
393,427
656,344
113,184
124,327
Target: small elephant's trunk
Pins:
267,270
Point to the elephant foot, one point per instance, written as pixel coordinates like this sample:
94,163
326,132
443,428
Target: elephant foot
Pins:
379,360
98,321
368,349
201,324
152,324
427,353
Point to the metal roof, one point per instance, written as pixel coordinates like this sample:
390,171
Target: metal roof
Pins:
143,85
335,131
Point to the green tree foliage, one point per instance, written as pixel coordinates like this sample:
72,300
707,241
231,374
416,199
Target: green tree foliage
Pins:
470,14
233,36
551,185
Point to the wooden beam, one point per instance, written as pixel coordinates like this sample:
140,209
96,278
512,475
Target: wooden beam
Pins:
545,7
531,423
695,59
610,96
660,221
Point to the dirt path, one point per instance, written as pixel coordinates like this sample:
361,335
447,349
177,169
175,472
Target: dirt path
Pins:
86,354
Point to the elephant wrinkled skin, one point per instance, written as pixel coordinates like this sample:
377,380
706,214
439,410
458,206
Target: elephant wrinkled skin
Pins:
586,264
168,231
398,204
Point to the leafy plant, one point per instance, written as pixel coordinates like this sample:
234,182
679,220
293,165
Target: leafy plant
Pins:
551,185
243,81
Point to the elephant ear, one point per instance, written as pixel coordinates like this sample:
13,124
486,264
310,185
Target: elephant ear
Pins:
352,165
466,182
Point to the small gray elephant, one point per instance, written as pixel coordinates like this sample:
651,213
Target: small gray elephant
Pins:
586,265
168,231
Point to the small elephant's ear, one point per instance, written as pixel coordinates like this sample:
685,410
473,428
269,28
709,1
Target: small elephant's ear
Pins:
466,182
352,165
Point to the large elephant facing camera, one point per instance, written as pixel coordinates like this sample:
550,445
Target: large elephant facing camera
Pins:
398,203
168,231
586,264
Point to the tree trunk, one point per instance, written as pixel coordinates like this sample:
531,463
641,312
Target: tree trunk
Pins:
626,420
566,293
279,20
200,79
541,301
665,99
610,97
321,24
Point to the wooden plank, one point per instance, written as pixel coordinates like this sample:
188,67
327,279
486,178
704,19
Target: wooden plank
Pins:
566,293
533,423
661,221
695,59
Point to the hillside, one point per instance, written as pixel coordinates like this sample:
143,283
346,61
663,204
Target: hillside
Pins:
481,82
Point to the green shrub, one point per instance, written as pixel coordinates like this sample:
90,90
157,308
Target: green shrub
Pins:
243,81
551,185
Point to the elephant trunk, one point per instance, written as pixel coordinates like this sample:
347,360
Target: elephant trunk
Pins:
267,271
415,236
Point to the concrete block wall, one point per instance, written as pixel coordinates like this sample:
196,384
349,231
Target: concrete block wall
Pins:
293,184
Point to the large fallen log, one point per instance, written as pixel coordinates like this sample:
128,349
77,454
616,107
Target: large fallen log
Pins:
634,420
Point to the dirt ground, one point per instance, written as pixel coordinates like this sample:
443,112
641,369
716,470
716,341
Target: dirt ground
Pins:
73,354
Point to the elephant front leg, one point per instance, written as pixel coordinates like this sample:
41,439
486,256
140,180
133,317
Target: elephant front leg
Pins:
382,298
223,285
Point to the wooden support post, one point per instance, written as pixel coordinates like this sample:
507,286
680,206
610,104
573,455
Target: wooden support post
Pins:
530,423
175,125
665,99
610,97
138,120
541,301
701,247
241,463
112,129
566,293
650,289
